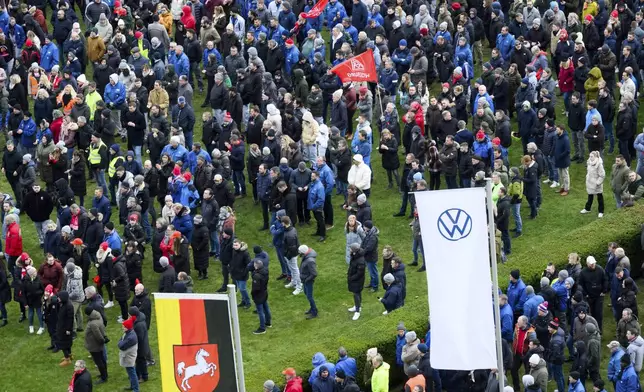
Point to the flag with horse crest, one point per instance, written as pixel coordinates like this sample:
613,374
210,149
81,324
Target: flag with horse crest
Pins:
195,343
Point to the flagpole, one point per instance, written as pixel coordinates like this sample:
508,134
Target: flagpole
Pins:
234,319
495,283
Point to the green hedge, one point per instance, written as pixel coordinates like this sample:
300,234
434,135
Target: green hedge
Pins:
623,226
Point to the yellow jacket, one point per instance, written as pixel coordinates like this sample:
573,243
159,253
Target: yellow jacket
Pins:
590,8
166,20
159,97
380,378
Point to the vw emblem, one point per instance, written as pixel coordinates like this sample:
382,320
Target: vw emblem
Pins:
454,224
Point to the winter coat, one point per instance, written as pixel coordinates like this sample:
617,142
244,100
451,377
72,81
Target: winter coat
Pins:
595,176
32,290
308,267
562,151
167,279
201,246
390,156
259,289
356,272
128,348
95,333
119,280
239,263
65,322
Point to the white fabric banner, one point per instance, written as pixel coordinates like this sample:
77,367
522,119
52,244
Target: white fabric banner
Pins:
455,240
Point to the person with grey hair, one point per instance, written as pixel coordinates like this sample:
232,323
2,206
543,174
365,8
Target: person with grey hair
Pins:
259,293
82,379
269,385
168,276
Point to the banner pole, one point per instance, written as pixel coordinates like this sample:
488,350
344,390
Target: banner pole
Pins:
495,283
239,362
382,112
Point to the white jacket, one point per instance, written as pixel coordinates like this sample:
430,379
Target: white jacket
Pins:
360,176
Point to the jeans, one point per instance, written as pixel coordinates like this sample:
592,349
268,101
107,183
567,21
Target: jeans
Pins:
507,243
416,245
137,153
308,291
341,186
566,97
309,153
189,136
553,175
466,182
145,222
451,182
372,266
557,374
624,150
30,313
610,136
241,285
264,314
219,115
40,230
214,242
434,181
78,315
295,272
99,174
246,115
240,182
618,199
533,207
134,379
516,211
283,262
600,201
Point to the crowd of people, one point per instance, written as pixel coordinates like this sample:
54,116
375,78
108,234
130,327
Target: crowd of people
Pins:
114,102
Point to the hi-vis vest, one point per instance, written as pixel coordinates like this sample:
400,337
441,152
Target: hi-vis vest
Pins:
419,380
94,154
111,170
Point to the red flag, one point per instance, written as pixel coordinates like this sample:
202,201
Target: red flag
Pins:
316,11
360,68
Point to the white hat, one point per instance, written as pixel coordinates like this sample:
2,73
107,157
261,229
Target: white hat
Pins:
534,359
591,260
303,249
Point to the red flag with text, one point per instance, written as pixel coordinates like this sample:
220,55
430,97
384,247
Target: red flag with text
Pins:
316,11
361,68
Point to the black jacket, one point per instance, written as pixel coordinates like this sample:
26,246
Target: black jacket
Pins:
201,246
291,242
167,279
356,272
370,244
593,282
259,290
239,263
502,218
142,301
83,382
530,179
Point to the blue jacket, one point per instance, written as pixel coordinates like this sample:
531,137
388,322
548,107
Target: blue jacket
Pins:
128,340
505,44
616,287
530,306
562,151
277,231
182,65
388,78
207,52
363,148
400,343
237,162
113,240
316,195
4,20
576,387
467,52
589,117
257,30
629,382
318,360
192,159
401,57
347,364
445,34
103,206
276,34
28,136
614,365
186,194
507,319
291,57
516,295
353,33
264,186
287,19
332,9
562,294
326,176
184,225
527,122
487,97
176,154
393,299
114,94
19,33
324,384
49,56
484,150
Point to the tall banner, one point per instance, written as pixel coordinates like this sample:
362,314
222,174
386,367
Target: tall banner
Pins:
316,11
455,241
361,68
195,343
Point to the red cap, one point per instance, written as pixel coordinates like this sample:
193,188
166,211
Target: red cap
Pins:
480,135
496,141
288,372
176,171
24,256
614,14
104,246
49,289
363,89
415,106
138,35
28,43
227,116
289,41
137,281
445,85
117,4
187,176
589,18
424,31
456,6
133,217
129,323
77,241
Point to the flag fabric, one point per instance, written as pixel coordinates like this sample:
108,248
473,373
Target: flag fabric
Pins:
195,343
454,230
316,11
361,68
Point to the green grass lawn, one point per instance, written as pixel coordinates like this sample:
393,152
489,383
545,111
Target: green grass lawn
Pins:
293,340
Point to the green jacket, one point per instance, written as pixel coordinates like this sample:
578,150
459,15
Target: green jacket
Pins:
515,191
380,378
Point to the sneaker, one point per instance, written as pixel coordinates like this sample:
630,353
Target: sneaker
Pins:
356,316
352,309
517,234
290,285
109,304
600,215
259,331
119,320
268,325
282,276
546,181
40,331
297,291
31,329
554,184
311,316
385,313
329,227
564,193
584,211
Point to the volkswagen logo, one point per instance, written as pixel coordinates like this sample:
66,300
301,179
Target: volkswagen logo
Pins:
454,224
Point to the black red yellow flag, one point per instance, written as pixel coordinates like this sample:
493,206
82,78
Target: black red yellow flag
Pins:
195,343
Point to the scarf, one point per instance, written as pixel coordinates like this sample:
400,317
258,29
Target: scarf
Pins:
71,383
101,255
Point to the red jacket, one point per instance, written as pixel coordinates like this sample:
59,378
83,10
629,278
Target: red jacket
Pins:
294,385
187,18
51,274
566,79
13,244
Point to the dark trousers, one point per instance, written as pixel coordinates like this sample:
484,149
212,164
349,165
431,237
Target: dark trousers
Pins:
194,70
600,200
507,244
110,295
226,274
142,367
99,360
596,306
303,213
533,207
328,210
308,291
516,365
395,175
319,220
123,306
451,182
357,300
624,150
405,200
434,181
67,352
265,212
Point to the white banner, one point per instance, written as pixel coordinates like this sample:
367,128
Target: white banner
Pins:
455,240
